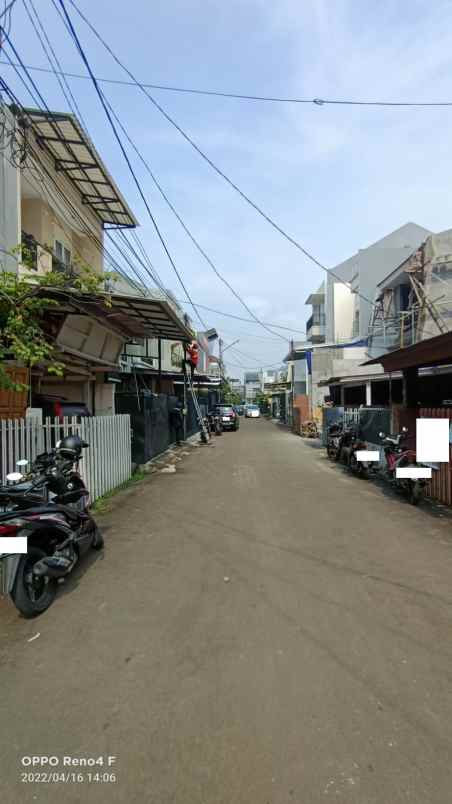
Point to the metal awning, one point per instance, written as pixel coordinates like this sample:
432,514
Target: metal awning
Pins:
62,136
132,316
435,351
359,379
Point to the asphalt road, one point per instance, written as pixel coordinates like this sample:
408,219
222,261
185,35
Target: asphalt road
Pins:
320,671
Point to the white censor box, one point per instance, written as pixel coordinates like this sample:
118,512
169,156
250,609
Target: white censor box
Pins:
367,455
432,440
414,472
13,544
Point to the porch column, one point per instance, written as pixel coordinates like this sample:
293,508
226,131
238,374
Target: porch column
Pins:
159,378
410,392
368,393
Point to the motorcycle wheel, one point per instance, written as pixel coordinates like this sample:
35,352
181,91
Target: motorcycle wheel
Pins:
331,452
415,492
31,596
357,467
98,540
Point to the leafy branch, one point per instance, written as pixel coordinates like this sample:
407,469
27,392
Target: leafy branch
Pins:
24,307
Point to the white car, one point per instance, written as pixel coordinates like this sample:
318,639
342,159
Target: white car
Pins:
252,412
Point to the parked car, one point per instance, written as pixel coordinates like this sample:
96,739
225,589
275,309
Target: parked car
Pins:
229,418
58,407
252,412
240,409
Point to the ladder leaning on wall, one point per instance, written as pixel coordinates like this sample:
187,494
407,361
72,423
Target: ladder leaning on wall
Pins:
200,417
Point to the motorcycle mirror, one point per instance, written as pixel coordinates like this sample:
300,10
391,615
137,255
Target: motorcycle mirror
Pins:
14,477
22,462
381,435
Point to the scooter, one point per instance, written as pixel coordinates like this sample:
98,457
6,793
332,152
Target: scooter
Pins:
57,533
348,454
215,424
398,457
334,436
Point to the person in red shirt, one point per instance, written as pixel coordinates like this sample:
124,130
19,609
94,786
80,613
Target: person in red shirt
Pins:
192,357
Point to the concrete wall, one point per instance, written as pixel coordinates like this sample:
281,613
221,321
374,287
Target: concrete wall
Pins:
334,362
344,303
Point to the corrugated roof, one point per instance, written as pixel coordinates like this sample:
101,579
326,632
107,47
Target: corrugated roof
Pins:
133,316
75,155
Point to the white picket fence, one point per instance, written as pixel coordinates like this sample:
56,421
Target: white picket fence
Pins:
105,464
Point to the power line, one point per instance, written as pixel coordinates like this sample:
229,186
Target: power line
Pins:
171,206
184,301
249,97
212,164
241,318
124,153
244,354
106,103
184,226
113,262
64,84
254,368
92,236
8,9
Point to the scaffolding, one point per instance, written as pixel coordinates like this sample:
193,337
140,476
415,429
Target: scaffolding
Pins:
396,329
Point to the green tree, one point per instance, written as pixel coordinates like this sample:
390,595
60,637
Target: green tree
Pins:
229,396
23,308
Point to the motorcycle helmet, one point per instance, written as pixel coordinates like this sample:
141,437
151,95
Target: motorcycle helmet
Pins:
71,447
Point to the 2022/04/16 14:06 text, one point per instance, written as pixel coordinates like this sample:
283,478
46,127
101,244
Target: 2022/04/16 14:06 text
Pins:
67,777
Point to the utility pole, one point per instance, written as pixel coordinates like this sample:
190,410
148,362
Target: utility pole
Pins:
220,345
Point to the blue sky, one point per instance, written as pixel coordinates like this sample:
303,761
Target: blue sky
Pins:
336,177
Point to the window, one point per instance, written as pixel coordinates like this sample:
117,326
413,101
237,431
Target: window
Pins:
62,254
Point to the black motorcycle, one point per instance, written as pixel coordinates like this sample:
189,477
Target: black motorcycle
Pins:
58,530
215,423
334,437
350,445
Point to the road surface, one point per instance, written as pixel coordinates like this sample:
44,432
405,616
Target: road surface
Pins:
262,629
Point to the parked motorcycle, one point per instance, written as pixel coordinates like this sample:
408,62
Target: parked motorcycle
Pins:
397,457
350,445
334,436
215,423
59,530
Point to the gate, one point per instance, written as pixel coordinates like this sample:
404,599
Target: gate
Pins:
440,486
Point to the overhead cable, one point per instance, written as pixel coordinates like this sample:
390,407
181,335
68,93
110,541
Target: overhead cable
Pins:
217,93
209,161
124,153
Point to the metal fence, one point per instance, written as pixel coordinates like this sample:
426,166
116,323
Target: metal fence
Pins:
105,464
368,422
440,486
152,429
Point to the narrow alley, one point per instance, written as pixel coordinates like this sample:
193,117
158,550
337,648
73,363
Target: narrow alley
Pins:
262,627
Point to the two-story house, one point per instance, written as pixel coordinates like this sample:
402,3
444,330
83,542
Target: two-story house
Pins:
57,198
